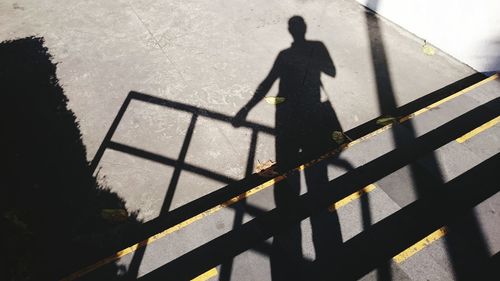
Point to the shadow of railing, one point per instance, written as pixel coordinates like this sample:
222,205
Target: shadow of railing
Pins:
419,224
234,188
179,164
195,113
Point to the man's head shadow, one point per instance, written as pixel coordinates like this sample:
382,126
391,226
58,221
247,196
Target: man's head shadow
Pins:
297,28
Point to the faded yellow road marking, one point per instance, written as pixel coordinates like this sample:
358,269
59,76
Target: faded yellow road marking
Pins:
479,129
207,275
351,198
415,248
265,185
457,94
425,109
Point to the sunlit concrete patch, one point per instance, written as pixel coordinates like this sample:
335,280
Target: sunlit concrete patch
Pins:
192,186
415,248
489,90
449,161
431,263
485,144
393,270
211,149
445,112
487,213
254,264
262,201
376,203
478,130
153,128
265,149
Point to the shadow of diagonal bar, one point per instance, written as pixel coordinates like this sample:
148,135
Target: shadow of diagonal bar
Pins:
198,111
277,220
179,167
168,161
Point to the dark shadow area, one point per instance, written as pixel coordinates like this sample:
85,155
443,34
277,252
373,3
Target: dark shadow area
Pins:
50,204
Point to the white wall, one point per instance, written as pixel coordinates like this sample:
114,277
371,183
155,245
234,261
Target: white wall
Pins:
469,30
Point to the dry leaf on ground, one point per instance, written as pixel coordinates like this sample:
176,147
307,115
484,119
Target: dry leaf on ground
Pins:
266,169
274,100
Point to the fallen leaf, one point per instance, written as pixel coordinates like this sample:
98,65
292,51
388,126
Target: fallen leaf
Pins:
338,137
266,169
114,215
274,100
428,49
386,120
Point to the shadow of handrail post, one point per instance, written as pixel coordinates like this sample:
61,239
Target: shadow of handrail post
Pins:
388,105
226,268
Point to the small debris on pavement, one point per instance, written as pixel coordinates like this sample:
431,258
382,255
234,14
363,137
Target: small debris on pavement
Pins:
386,120
266,169
428,49
338,137
274,100
114,215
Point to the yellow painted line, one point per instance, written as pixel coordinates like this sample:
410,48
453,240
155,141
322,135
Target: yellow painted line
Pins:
337,205
207,275
457,94
425,109
415,248
265,185
478,130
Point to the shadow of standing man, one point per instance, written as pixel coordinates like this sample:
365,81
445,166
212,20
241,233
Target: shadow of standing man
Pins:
304,125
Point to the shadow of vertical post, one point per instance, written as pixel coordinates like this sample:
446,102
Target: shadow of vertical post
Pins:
100,151
226,268
133,269
385,92
387,105
169,196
